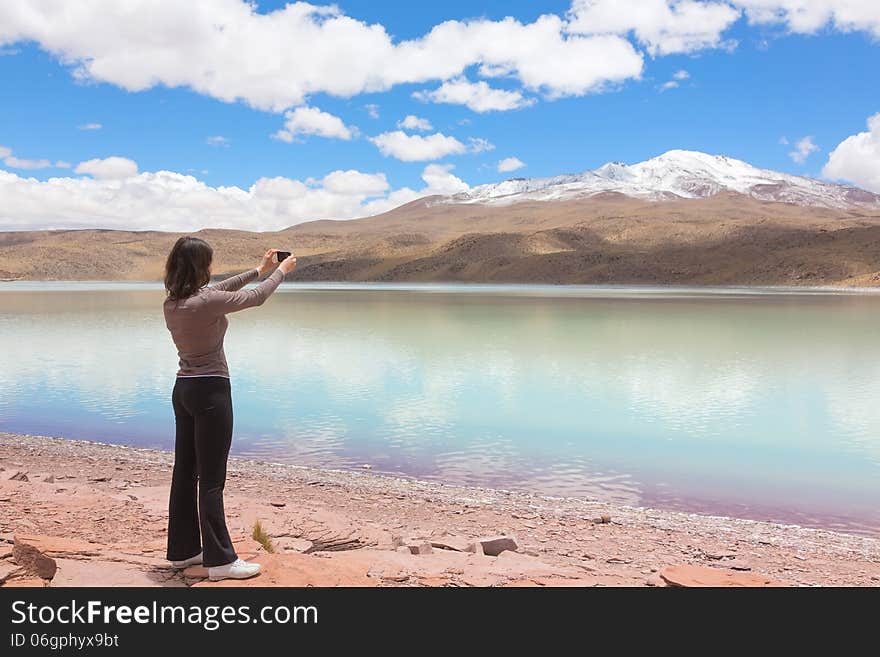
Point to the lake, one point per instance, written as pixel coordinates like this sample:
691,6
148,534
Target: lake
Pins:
754,403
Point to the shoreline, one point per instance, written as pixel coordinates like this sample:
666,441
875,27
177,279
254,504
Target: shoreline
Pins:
831,289
560,533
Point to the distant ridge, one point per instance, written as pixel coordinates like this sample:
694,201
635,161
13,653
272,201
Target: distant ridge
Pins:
675,174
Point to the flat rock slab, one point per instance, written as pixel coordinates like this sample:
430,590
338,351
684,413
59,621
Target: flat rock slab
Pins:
700,576
300,570
76,573
55,546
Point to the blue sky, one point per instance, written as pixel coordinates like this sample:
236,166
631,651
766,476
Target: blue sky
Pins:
742,86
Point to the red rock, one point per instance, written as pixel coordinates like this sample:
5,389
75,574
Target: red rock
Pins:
299,570
26,582
497,544
457,543
78,573
32,560
56,546
699,576
8,570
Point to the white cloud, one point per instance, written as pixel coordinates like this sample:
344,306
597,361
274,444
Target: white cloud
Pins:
671,84
478,96
479,145
275,60
509,164
439,180
857,158
20,163
662,26
802,149
17,163
810,16
166,200
356,183
417,148
312,121
110,168
412,122
681,74
217,140
372,110
783,140
90,126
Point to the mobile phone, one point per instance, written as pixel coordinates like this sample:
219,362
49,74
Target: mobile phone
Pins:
282,255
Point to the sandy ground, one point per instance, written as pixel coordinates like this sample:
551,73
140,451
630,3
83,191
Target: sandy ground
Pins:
330,527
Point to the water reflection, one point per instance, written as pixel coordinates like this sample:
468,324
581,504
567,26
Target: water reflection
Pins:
758,405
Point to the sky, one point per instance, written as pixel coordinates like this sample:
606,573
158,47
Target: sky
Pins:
157,114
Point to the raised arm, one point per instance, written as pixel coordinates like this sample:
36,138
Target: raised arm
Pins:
224,302
235,283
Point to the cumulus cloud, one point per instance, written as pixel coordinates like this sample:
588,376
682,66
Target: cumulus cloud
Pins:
275,60
166,200
312,121
417,148
21,163
509,164
439,180
857,158
109,168
478,96
372,110
90,126
803,148
681,74
663,27
217,140
810,16
412,122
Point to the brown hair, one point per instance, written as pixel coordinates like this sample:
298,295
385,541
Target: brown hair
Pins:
188,267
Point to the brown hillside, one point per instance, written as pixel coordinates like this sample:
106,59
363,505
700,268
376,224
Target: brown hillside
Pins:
725,239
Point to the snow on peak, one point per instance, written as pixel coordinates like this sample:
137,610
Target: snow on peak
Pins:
676,173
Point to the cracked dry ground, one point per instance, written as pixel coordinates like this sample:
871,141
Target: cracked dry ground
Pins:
99,512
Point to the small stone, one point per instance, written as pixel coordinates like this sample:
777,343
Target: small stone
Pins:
49,479
476,547
277,503
497,544
19,476
99,479
32,560
367,466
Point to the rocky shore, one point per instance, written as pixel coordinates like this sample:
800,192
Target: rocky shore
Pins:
76,513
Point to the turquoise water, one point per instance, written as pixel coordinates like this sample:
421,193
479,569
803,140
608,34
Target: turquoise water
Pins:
761,404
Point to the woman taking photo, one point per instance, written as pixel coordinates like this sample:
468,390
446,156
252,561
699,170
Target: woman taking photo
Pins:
195,314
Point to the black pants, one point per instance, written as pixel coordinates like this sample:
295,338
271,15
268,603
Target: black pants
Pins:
203,416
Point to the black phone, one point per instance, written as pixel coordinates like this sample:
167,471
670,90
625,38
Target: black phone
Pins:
282,255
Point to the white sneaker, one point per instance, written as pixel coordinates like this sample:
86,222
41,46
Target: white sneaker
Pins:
186,563
238,569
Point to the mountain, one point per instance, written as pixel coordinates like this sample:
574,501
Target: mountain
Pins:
675,174
682,218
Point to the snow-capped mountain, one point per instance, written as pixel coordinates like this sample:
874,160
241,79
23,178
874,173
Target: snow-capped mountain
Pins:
675,174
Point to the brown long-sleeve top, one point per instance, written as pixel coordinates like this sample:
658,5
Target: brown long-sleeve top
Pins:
198,323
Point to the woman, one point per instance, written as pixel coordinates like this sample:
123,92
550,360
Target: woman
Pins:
195,313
